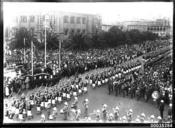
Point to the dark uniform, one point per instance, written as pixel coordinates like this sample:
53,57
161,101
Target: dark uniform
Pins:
161,108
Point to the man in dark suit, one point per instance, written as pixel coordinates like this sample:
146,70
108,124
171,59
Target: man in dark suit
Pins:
161,108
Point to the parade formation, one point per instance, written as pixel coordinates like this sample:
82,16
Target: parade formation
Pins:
146,76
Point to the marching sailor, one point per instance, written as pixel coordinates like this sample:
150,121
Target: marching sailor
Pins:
152,118
129,115
75,103
65,111
29,113
77,114
38,107
21,118
59,95
85,103
116,113
68,93
142,118
7,90
43,118
74,91
98,115
85,88
111,117
53,97
104,111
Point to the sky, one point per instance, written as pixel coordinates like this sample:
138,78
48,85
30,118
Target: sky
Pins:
111,12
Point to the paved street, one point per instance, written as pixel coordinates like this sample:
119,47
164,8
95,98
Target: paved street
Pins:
99,96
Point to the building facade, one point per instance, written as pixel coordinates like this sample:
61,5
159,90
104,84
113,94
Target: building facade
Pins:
160,26
106,27
61,22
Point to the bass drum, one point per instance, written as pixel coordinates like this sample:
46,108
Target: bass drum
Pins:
155,95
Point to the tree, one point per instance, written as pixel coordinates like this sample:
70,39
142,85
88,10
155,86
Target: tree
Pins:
77,42
17,42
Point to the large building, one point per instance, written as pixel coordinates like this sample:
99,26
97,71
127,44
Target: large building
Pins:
159,26
61,22
106,27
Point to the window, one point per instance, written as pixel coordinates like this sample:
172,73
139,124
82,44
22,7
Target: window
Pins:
66,19
23,19
72,19
78,20
84,20
32,18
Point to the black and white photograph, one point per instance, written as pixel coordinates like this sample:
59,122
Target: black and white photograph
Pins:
89,62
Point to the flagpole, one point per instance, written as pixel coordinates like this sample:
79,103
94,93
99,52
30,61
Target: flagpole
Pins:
60,54
24,52
45,44
32,57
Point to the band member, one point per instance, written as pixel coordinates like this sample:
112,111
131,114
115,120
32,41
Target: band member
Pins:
77,114
49,101
53,100
55,111
152,118
116,113
29,113
31,98
68,94
99,82
159,119
38,107
60,97
7,90
98,115
161,108
75,103
124,119
104,111
21,118
142,118
85,88
17,109
42,102
75,91
129,115
43,118
65,111
93,83
170,112
85,103
111,117
6,110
